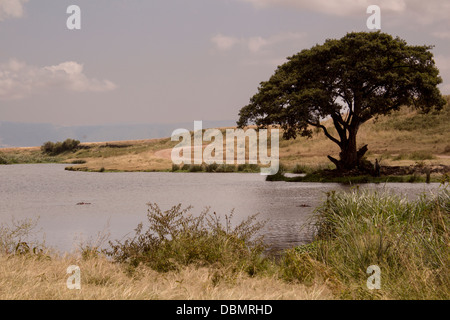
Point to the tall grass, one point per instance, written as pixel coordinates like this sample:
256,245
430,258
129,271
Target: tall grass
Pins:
409,241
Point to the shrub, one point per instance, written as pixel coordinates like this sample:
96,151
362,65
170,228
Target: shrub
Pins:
211,167
248,167
195,168
175,238
79,161
226,168
18,237
54,149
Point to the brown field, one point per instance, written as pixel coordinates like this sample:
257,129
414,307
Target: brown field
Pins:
25,277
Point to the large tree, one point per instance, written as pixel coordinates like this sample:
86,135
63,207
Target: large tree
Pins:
349,81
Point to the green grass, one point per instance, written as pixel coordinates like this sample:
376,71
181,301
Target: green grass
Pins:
319,176
408,240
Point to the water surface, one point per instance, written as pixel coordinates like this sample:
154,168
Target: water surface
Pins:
118,201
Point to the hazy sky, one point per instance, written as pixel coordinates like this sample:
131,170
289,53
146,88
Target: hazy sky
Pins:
169,61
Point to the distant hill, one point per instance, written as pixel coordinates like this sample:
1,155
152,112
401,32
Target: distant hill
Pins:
14,134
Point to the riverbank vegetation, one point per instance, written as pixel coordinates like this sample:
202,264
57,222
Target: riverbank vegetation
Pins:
404,138
177,254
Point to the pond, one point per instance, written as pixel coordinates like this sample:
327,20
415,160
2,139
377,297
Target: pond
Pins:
117,202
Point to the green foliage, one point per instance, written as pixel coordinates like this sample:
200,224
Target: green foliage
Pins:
226,168
175,238
195,168
53,149
78,161
248,168
407,240
211,167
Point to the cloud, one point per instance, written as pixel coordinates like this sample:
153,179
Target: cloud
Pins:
256,44
11,9
441,34
224,43
424,12
334,7
19,80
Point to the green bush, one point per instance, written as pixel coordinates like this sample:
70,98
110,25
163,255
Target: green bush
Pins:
175,238
226,168
195,168
248,167
78,161
3,160
211,167
54,149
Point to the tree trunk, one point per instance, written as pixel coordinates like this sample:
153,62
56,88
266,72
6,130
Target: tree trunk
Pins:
349,157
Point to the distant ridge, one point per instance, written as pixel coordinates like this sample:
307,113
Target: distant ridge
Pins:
16,134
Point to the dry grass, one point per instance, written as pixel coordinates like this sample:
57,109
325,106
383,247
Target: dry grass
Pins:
25,277
388,138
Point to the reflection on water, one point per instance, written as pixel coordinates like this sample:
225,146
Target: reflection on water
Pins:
118,200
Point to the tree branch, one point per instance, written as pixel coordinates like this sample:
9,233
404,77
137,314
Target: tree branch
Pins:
325,131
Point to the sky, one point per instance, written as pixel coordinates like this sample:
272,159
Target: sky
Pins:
171,61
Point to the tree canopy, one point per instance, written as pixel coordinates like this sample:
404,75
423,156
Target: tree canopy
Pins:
350,80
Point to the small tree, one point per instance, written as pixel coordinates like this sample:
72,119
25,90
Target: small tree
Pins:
350,81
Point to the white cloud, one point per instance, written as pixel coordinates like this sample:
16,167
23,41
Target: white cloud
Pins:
418,10
335,7
11,8
441,34
19,80
224,42
255,44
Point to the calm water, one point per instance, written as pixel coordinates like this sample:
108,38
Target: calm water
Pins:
118,200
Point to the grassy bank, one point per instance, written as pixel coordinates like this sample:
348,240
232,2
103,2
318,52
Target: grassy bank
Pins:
354,180
177,255
409,241
403,138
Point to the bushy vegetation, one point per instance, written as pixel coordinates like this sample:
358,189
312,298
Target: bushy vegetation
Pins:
53,149
214,167
24,158
176,239
407,240
19,237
